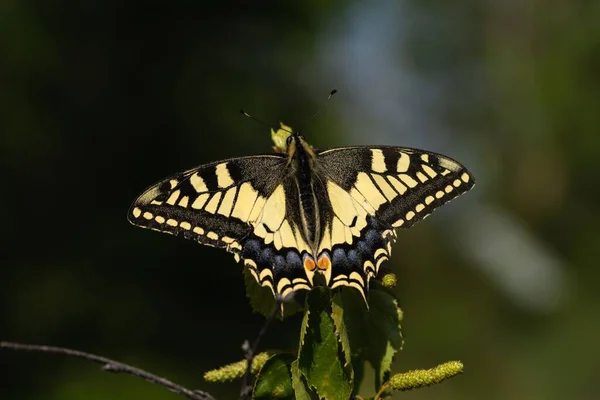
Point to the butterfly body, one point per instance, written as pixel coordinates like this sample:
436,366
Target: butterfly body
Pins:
303,216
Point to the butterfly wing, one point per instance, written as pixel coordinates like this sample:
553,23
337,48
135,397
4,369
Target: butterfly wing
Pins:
372,191
241,205
213,204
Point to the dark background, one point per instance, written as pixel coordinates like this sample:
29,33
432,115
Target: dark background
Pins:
99,99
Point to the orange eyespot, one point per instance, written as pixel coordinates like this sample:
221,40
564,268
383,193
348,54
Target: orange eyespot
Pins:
324,262
309,263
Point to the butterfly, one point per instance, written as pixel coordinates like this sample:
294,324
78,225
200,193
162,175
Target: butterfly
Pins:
301,216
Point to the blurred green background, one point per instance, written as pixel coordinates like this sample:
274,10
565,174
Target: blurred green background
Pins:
99,99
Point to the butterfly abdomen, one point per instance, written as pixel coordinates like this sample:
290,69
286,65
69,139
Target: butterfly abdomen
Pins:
308,201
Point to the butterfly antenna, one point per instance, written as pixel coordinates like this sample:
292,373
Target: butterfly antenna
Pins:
334,91
272,126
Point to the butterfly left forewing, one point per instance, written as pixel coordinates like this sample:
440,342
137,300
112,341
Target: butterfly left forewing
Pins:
372,191
213,204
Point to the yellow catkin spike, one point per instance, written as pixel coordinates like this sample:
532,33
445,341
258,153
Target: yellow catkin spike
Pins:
236,370
425,377
389,281
280,136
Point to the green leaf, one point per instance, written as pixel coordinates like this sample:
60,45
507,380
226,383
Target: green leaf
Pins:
356,328
303,328
262,300
375,334
274,381
301,389
319,354
358,367
337,314
385,333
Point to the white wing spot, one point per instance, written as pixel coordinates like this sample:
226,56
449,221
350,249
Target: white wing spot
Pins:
184,201
173,197
408,180
397,185
223,178
398,223
379,252
429,171
198,183
212,235
267,272
403,162
185,225
388,192
377,161
200,200
227,203
422,177
245,201
211,207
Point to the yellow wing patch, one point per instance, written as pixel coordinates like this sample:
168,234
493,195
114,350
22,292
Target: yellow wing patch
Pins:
350,217
271,225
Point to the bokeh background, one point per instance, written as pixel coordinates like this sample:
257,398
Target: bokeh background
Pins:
99,99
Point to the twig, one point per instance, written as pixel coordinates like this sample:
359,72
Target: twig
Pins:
250,352
379,395
112,366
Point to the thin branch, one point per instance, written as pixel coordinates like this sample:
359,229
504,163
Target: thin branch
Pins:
250,352
112,366
379,395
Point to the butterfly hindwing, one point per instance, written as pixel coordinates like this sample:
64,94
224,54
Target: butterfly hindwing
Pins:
275,247
372,191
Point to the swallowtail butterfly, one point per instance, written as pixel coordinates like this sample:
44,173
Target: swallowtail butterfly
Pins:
301,215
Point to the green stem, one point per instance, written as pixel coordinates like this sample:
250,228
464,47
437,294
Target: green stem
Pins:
381,391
